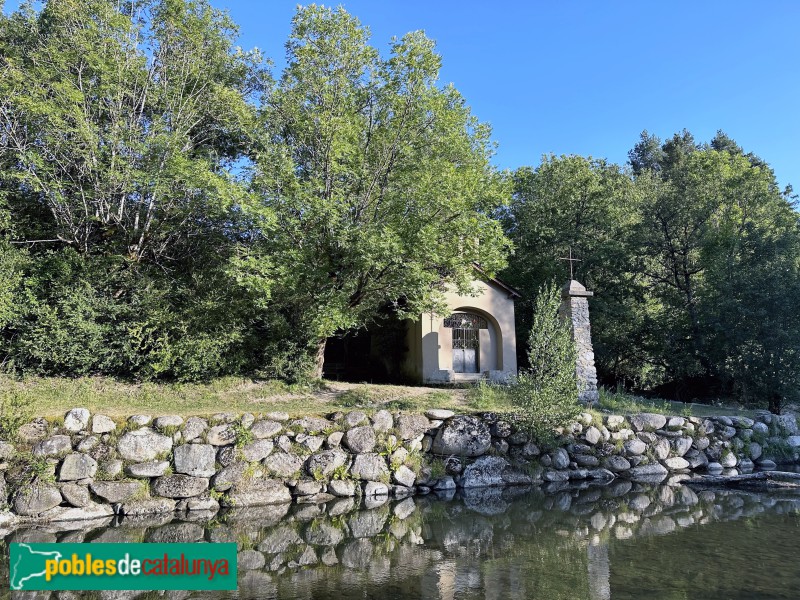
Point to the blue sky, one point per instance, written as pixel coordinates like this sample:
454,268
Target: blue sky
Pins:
586,77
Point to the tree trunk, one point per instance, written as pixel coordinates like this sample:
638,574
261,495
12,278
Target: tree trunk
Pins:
320,358
775,403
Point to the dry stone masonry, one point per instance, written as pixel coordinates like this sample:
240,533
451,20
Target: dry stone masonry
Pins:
92,467
575,308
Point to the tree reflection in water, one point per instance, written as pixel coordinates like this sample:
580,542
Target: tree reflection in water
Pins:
621,540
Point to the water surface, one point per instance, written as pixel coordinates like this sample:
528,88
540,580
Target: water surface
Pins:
617,541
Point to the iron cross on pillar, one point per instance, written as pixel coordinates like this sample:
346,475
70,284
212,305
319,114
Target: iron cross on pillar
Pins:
571,260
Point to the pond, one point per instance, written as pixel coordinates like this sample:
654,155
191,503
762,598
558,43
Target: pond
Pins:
616,541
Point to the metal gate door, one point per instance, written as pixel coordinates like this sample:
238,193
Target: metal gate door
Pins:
466,337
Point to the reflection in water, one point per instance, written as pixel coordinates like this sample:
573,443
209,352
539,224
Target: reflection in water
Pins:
622,540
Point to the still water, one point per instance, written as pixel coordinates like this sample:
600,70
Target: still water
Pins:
617,541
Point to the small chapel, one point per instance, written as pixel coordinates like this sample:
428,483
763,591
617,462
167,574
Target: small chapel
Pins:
474,340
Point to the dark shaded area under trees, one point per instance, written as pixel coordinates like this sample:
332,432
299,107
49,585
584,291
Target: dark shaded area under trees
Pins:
171,208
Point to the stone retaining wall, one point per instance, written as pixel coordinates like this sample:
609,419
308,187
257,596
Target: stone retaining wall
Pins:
91,466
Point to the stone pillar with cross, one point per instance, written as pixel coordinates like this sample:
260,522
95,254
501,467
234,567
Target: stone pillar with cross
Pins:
575,308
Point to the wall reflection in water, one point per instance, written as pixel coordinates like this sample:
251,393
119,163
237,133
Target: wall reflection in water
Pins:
622,540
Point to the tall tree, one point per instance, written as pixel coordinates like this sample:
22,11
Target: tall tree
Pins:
123,127
379,178
122,122
582,204
715,239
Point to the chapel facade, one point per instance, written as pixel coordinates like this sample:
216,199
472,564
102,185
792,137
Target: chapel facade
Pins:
475,340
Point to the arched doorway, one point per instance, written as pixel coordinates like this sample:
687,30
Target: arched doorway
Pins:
466,328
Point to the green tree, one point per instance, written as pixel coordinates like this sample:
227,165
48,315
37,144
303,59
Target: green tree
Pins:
546,394
122,123
123,127
588,206
380,180
717,246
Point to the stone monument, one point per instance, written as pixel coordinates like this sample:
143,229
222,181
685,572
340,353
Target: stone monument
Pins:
575,308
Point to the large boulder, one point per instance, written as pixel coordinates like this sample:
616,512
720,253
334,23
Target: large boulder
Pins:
76,495
354,419
283,464
77,420
77,466
229,476
193,428
369,467
463,436
148,507
592,435
257,492
635,447
221,435
179,486
53,446
103,424
313,425
91,511
653,472
148,469
439,414
648,422
484,472
257,450
681,445
404,476
662,448
265,429
143,444
36,499
788,424
116,491
325,463
559,458
165,421
360,439
410,427
676,463
197,460
616,464
382,421
33,431
343,488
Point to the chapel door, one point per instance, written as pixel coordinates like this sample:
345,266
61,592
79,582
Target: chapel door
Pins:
466,348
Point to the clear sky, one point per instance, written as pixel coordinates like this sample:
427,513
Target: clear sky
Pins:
586,77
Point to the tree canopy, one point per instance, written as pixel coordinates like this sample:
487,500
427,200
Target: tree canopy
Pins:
173,207
151,163
694,257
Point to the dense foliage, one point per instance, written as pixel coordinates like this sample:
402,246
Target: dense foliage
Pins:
168,208
693,254
171,207
546,392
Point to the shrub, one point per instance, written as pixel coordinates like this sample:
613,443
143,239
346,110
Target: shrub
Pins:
14,412
546,395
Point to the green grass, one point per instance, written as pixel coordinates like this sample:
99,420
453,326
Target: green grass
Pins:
52,396
489,396
623,403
